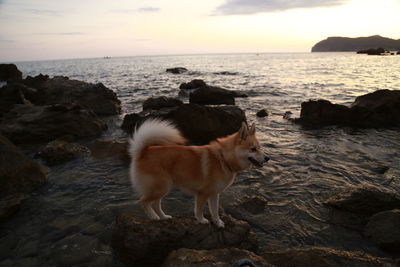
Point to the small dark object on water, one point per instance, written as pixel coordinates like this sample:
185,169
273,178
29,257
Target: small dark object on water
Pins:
177,70
262,113
287,115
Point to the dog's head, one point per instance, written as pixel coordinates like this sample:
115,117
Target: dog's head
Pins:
248,149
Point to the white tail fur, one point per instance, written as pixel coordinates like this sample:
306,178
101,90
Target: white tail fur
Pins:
154,132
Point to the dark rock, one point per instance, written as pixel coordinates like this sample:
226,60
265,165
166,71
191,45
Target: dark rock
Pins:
199,124
365,200
372,51
147,243
178,70
161,102
383,228
10,205
9,72
196,84
327,257
101,149
226,73
10,95
38,124
210,95
60,151
378,109
193,84
18,173
211,258
287,115
96,97
262,113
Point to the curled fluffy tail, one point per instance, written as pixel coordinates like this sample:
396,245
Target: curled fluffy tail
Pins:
154,132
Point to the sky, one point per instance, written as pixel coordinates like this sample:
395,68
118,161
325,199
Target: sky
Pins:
51,29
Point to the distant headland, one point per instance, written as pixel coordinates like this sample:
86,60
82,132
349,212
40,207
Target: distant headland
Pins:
346,44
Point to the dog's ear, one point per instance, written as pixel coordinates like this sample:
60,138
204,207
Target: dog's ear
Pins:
243,132
252,130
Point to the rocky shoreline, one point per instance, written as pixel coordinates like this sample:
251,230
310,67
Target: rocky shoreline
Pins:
55,114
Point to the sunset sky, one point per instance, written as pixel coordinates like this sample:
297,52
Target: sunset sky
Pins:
49,29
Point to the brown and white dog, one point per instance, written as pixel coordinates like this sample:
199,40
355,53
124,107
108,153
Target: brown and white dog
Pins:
160,161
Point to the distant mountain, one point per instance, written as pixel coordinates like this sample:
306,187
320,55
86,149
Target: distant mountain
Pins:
345,44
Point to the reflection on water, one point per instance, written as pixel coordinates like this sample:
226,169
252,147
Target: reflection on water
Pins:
69,220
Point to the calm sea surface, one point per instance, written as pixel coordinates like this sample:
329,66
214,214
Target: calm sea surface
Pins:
69,221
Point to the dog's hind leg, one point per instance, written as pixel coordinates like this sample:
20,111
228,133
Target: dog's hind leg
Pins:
213,205
200,201
148,209
157,208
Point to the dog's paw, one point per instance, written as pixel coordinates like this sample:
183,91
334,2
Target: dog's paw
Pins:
203,220
166,217
220,223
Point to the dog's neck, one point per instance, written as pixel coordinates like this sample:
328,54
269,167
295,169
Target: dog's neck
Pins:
230,163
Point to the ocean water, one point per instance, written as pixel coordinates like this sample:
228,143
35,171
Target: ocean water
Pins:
69,221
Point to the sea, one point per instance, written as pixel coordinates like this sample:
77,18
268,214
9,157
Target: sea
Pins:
68,222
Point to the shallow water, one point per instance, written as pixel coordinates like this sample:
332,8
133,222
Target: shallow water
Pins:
69,221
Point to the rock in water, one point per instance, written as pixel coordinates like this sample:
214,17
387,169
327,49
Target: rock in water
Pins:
383,228
59,89
210,95
161,102
37,124
262,113
60,151
147,243
212,258
177,70
9,72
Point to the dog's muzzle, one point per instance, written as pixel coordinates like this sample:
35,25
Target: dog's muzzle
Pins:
257,163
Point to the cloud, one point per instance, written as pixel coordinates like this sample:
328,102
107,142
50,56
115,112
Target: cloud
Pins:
142,10
247,7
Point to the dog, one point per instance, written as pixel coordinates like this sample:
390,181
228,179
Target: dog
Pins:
160,160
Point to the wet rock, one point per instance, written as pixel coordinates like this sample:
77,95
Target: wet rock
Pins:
211,258
177,70
10,205
327,257
10,95
262,113
226,73
193,84
60,151
161,102
147,243
383,229
211,95
199,124
59,89
37,124
365,200
378,109
18,173
102,149
287,115
9,72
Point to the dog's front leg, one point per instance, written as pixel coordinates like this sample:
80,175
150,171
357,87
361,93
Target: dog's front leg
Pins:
200,201
213,204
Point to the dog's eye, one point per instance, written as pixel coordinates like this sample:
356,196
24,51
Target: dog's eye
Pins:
254,149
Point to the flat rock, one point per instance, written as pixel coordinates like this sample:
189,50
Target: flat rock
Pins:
9,72
161,102
199,124
142,242
211,95
383,229
60,151
211,258
327,257
177,70
57,90
102,149
38,124
364,199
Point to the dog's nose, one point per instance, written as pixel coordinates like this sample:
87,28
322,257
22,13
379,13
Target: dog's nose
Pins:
266,158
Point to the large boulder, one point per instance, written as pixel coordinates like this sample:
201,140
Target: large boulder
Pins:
12,94
18,173
365,200
9,72
161,102
59,89
378,109
38,124
61,151
383,229
193,84
211,95
141,242
212,258
199,124
327,257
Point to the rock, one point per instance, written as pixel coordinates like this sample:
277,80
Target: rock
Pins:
193,84
60,151
199,124
211,258
383,229
10,205
101,149
210,95
10,95
38,124
262,113
372,51
287,115
18,173
214,91
178,70
57,90
226,73
9,72
161,102
378,109
365,200
327,257
147,243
